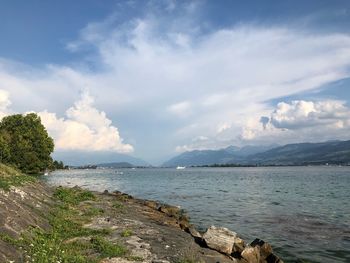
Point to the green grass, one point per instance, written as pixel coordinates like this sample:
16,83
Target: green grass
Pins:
92,211
73,196
12,177
67,240
135,258
118,205
8,171
126,233
6,238
107,249
46,247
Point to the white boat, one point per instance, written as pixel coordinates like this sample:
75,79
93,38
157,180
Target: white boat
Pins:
180,167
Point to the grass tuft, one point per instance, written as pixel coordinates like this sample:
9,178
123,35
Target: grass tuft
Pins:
107,249
118,205
73,196
10,176
126,233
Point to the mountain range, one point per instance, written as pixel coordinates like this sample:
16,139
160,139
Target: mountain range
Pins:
79,158
116,165
332,152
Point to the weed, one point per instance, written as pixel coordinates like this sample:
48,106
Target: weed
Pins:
93,211
6,238
135,258
126,233
11,177
107,249
73,196
118,205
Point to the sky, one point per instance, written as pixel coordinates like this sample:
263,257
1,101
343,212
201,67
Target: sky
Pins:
153,79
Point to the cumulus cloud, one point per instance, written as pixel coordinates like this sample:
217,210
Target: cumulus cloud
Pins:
84,127
301,114
299,121
4,103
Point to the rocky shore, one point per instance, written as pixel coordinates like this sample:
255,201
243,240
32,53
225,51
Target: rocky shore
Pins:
131,230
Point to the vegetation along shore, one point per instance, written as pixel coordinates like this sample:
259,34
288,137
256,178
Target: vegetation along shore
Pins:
44,224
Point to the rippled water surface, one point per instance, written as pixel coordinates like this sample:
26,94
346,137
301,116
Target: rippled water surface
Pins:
304,212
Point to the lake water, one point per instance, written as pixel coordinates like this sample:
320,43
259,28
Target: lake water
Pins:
304,212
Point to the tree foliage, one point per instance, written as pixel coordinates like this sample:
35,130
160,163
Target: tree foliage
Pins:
58,165
25,143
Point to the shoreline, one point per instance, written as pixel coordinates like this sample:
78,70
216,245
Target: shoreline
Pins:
150,231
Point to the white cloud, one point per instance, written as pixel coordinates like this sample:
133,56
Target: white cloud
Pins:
181,109
197,143
220,77
301,121
4,103
223,127
84,128
302,114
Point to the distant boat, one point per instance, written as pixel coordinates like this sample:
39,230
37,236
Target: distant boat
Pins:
180,167
46,173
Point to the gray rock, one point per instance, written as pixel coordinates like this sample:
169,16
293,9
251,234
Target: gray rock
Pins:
220,239
266,253
194,232
238,246
251,254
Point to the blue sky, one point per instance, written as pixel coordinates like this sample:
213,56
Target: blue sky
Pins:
155,78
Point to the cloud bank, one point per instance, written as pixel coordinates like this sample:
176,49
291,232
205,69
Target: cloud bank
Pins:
302,120
177,82
306,114
84,128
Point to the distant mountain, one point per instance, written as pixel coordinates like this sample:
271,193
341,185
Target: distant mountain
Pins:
332,152
222,156
80,158
232,149
252,149
304,153
197,158
116,165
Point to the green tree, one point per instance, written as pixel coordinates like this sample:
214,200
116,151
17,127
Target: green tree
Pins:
27,142
58,165
4,149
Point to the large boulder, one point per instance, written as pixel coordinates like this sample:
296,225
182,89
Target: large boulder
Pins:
265,250
223,240
238,246
251,254
194,232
